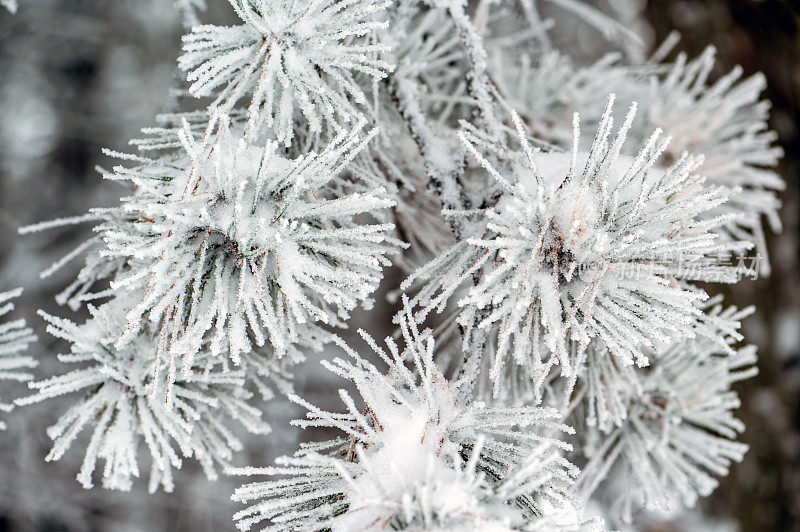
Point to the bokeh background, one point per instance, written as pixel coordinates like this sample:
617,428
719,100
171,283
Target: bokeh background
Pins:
77,76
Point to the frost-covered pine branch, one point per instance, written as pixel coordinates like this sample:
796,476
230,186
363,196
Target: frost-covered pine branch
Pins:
288,54
724,120
125,416
419,455
669,429
557,259
15,338
577,246
97,266
240,243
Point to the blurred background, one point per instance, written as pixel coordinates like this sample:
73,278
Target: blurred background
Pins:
77,76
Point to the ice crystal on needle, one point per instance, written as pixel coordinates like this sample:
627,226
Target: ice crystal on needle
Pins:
419,456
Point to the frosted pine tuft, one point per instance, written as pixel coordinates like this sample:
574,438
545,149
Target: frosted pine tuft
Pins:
419,456
15,338
676,430
124,415
248,246
726,122
289,54
577,245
